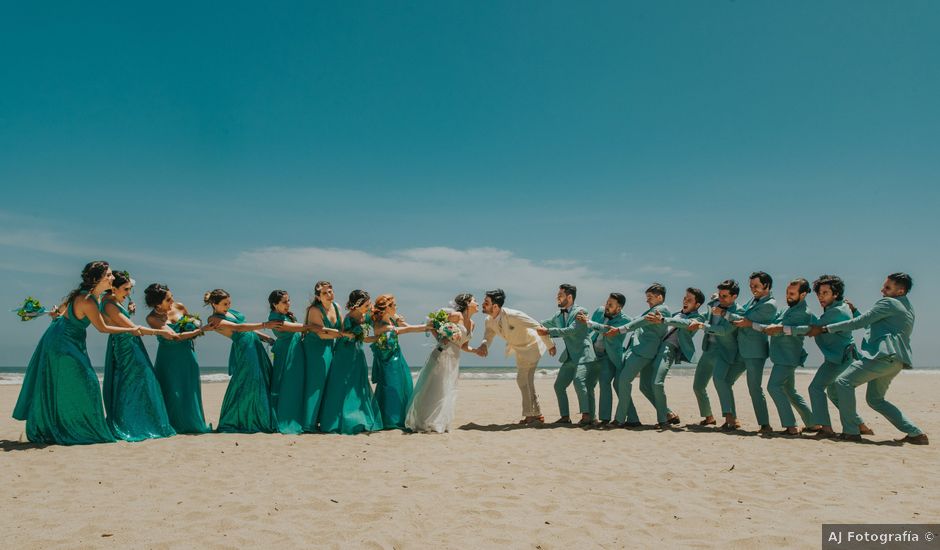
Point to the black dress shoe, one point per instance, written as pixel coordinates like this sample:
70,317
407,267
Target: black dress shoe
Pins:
674,420
914,439
632,424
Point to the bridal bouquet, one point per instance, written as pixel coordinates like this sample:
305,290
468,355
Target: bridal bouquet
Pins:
186,323
30,309
438,318
447,331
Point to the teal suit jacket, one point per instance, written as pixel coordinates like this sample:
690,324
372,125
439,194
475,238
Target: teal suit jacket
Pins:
753,344
721,337
787,349
680,323
611,343
890,323
836,347
577,337
647,337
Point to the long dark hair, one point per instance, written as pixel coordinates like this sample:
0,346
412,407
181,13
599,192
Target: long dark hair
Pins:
275,298
316,291
91,276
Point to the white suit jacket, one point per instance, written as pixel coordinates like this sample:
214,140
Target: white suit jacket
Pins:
518,329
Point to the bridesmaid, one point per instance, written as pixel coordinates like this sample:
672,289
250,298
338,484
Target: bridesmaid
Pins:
246,407
318,350
60,399
349,406
176,366
132,396
390,372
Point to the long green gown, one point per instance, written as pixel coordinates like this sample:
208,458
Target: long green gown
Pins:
177,371
287,387
349,406
246,407
60,399
133,400
318,356
392,378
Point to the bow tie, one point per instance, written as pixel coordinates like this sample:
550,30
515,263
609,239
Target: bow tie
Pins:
563,311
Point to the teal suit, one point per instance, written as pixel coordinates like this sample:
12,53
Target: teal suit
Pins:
677,346
754,350
885,351
719,354
786,354
838,349
578,354
642,350
609,362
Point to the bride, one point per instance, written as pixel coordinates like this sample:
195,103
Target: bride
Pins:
432,406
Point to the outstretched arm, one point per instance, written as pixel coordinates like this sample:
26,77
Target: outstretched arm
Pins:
882,308
90,309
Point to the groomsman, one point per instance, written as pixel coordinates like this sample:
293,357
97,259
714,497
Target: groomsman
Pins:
885,351
754,350
522,340
786,354
838,351
578,354
677,346
643,347
719,352
609,352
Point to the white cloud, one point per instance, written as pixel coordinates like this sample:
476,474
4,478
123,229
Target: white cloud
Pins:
433,275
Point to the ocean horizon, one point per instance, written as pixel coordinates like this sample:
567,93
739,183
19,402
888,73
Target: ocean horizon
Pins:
11,376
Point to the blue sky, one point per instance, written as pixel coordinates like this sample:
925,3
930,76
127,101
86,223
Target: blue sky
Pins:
426,148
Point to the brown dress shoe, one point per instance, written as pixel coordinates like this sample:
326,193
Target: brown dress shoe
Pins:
914,439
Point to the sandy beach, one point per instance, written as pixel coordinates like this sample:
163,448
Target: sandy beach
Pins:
486,484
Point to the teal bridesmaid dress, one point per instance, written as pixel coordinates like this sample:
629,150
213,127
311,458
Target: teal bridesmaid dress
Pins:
287,387
393,383
246,407
349,406
178,374
318,356
60,399
133,400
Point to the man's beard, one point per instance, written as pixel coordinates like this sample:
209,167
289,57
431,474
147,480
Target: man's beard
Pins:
793,303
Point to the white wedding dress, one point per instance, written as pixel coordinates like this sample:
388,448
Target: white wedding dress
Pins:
432,405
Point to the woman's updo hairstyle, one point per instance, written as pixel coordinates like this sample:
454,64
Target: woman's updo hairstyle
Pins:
275,298
356,299
382,303
121,278
462,301
214,296
155,294
91,276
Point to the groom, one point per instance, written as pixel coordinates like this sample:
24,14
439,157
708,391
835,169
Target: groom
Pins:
519,331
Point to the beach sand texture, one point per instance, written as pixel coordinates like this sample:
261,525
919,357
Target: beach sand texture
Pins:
486,484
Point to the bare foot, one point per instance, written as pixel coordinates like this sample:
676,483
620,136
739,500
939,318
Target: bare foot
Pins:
865,430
